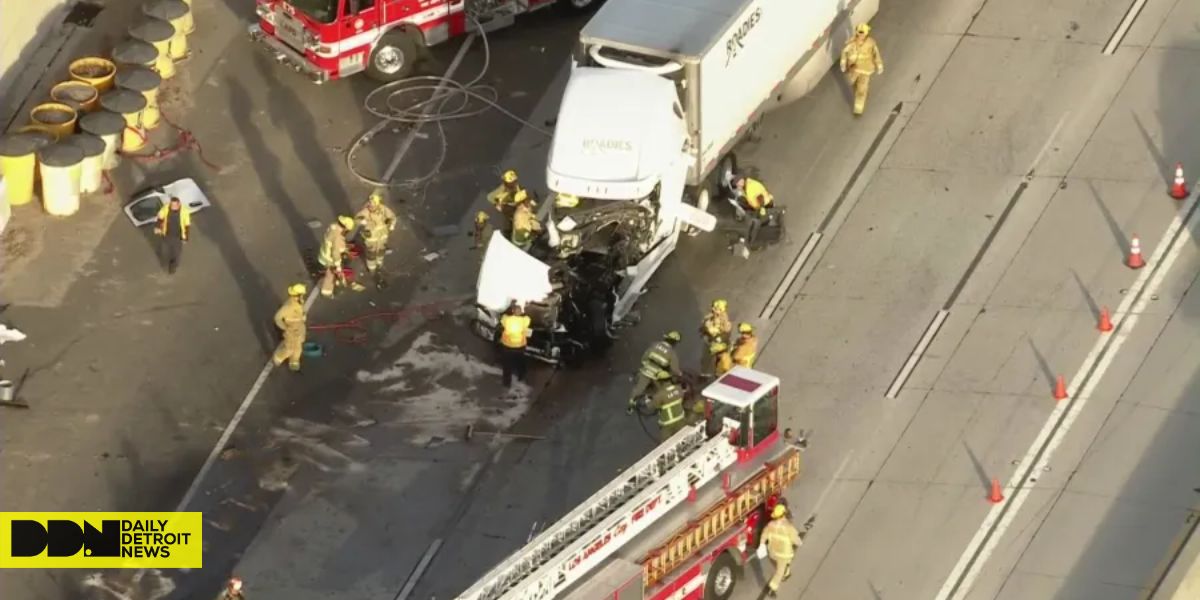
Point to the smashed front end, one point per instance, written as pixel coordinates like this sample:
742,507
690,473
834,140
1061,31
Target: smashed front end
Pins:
569,281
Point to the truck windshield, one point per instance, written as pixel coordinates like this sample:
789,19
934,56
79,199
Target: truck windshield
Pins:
322,11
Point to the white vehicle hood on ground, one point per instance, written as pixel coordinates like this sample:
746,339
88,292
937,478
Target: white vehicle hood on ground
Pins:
508,274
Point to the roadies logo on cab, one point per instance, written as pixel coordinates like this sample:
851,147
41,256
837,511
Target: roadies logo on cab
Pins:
100,540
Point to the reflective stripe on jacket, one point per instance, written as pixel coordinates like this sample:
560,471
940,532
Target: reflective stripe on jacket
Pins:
514,330
781,539
670,405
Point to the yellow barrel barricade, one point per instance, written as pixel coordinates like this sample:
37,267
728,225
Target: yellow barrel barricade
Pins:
78,95
145,82
129,104
108,126
91,173
159,34
18,162
55,118
175,12
41,139
95,71
60,165
135,52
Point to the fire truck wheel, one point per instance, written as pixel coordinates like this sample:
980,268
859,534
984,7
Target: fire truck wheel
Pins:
393,58
580,5
722,578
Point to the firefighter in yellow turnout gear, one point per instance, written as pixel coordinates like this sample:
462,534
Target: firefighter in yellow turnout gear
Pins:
377,222
721,359
745,349
781,539
861,58
525,225
333,252
716,327
291,320
504,198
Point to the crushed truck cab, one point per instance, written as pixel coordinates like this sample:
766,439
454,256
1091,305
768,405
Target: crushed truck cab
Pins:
680,523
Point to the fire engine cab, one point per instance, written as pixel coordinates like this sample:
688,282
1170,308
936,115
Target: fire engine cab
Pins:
332,39
678,525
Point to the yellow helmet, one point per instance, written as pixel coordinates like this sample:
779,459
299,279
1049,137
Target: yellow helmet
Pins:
863,29
720,305
520,196
779,511
510,176
718,347
673,337
376,198
297,289
346,222
481,217
745,328
566,201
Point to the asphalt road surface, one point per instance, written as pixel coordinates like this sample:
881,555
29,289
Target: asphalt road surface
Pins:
991,189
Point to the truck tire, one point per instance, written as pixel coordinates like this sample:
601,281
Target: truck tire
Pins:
722,578
394,57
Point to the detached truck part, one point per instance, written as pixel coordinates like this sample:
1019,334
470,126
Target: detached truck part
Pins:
333,39
678,525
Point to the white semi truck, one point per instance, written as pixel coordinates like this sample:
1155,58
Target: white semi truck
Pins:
660,91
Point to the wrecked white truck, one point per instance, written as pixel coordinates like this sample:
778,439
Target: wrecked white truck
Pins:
659,93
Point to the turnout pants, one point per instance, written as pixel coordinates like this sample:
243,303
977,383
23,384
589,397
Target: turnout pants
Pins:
861,82
783,569
290,349
375,250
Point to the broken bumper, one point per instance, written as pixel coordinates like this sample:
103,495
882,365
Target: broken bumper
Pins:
286,55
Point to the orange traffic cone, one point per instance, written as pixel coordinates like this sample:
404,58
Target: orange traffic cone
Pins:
1179,189
1135,260
996,497
1060,389
1105,321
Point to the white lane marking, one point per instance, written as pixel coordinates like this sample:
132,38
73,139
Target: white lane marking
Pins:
428,110
415,576
312,296
1134,10
837,476
932,330
791,274
1104,351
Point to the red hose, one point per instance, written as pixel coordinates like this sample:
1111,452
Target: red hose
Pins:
354,332
186,141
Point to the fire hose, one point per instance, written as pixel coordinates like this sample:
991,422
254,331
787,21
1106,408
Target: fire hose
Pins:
354,331
400,104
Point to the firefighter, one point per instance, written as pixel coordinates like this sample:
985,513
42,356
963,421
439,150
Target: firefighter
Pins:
174,224
668,401
233,590
525,225
715,328
333,251
782,539
514,335
745,349
290,319
757,199
660,365
861,57
481,227
377,221
504,197
722,360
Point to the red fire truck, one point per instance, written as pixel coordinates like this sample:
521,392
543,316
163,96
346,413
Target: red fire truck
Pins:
678,525
332,39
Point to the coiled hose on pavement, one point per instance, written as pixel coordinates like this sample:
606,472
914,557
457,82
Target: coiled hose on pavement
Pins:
400,103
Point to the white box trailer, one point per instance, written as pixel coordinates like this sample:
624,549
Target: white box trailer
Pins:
727,61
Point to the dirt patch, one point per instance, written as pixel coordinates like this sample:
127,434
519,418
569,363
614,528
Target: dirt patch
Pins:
17,242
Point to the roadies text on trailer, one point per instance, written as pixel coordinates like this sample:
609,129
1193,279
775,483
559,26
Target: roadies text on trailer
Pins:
333,39
680,524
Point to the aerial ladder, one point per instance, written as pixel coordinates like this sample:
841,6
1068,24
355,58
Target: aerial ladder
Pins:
640,501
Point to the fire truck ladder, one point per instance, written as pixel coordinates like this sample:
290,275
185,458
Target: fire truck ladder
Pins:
588,515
